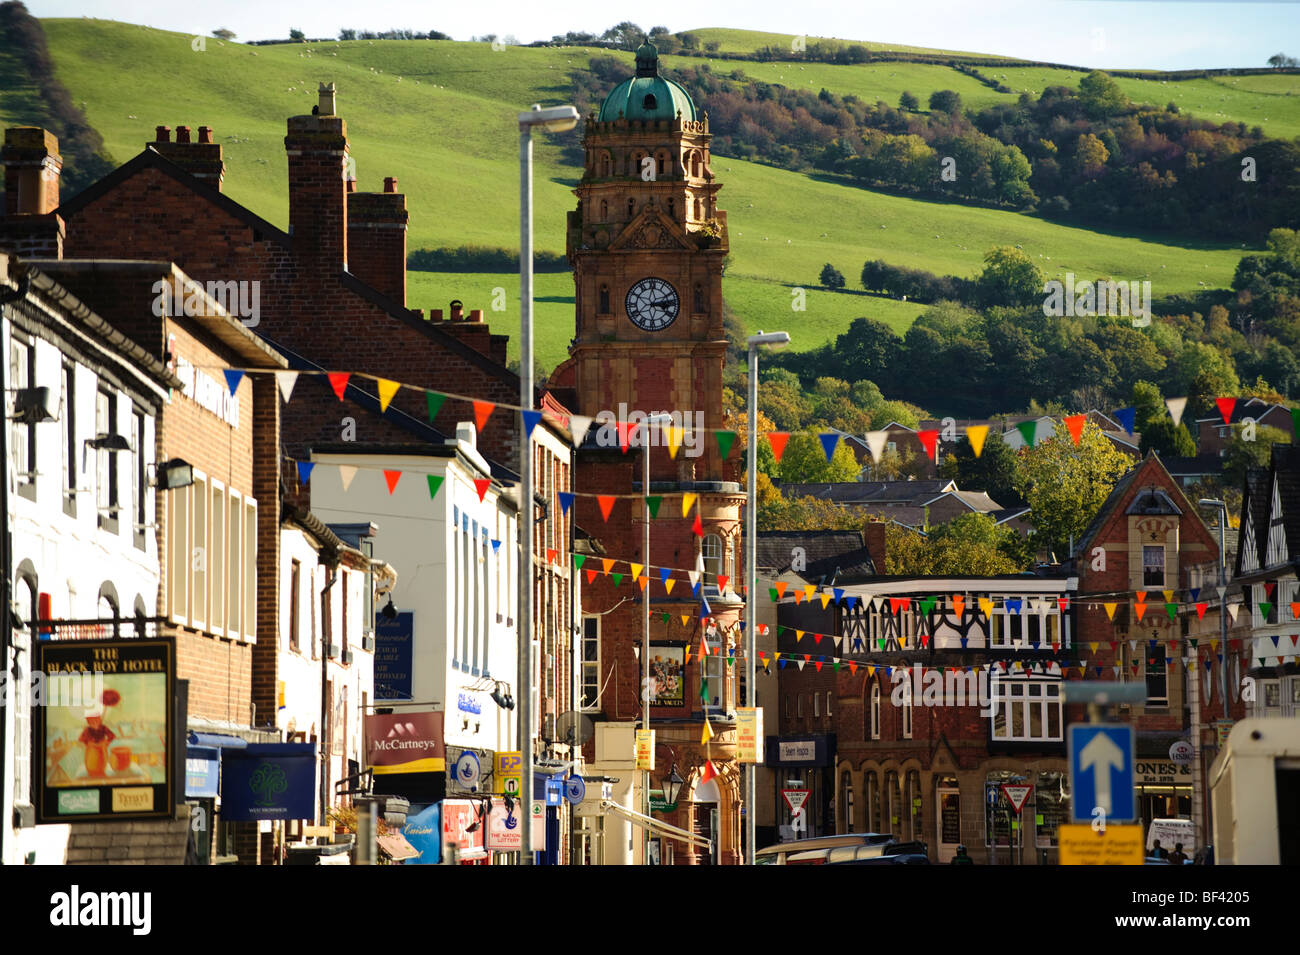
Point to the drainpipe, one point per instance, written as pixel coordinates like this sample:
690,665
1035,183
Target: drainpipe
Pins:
325,701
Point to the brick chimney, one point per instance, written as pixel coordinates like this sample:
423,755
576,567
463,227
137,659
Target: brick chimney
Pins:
317,147
201,159
377,239
32,165
472,331
873,535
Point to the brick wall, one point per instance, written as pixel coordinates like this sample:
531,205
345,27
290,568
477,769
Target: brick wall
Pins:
123,843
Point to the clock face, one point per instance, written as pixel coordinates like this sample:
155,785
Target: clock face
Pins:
652,304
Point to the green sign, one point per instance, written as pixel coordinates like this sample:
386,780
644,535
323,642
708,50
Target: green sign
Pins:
657,803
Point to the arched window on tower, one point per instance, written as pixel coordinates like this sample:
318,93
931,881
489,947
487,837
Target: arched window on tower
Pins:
604,210
711,551
604,299
701,300
649,102
606,165
699,211
672,208
631,208
661,160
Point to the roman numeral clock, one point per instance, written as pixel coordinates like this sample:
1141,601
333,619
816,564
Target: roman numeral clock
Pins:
647,243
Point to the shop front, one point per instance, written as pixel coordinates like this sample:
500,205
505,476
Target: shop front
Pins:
804,770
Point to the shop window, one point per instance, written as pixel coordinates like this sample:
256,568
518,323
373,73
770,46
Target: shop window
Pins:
872,786
998,813
1051,806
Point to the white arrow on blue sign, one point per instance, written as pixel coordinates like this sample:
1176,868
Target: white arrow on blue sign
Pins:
1102,772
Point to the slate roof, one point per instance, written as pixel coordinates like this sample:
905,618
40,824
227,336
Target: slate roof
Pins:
869,492
826,551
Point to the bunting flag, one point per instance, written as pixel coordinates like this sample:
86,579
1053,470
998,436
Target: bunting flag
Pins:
798,597
708,772
1232,610
606,502
778,440
1226,407
876,441
674,436
304,471
708,731
617,578
1176,407
233,378
927,604
1063,604
688,501
566,501
386,389
896,604
579,560
579,425
1172,610
1269,585
986,606
958,604
664,574
642,581
286,380
434,401
496,547
1169,596
976,434
780,587
829,440
1027,431
725,440
1139,609
530,421
652,505
1264,609
1203,606
339,382
1126,417
722,582
1110,610
435,482
482,411
1074,424
591,575
624,430
930,441
392,477
698,527
636,569
481,485
346,473
551,554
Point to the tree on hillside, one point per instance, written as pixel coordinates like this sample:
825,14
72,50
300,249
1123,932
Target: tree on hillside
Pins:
993,472
224,34
1065,485
1101,95
945,101
908,102
972,544
778,513
1010,278
868,351
1280,61
805,462
296,35
831,277
626,35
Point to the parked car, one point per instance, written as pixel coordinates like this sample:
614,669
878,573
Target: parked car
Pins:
780,853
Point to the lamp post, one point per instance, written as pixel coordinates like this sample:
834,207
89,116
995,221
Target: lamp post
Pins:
650,421
776,340
554,119
1222,508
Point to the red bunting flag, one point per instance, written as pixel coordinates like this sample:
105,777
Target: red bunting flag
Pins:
1203,606
392,477
481,485
897,603
709,772
551,554
778,439
1063,603
1074,424
606,502
929,441
591,576
624,429
482,411
1295,609
1269,586
722,582
339,382
1226,407
698,527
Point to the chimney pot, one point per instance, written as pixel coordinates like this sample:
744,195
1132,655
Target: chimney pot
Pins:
435,314
457,310
390,184
205,135
476,315
326,99
182,134
351,185
162,134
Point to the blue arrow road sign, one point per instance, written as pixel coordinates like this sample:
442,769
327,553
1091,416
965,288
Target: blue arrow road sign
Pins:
1101,772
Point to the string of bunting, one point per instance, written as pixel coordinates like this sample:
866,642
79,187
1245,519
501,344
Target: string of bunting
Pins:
579,425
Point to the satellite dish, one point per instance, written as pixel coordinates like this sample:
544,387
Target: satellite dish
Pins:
573,728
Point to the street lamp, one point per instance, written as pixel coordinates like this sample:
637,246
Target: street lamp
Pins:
672,786
556,119
1222,508
774,340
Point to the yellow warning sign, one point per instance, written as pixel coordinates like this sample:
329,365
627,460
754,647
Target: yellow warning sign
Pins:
1114,845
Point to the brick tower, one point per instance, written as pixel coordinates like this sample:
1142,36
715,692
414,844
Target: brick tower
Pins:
646,243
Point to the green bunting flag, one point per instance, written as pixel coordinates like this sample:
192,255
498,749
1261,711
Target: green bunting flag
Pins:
772,591
1264,609
1027,430
618,579
725,440
704,690
652,505
578,561
928,604
1172,610
665,617
435,482
435,401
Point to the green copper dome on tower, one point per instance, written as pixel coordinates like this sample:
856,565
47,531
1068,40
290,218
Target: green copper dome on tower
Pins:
647,95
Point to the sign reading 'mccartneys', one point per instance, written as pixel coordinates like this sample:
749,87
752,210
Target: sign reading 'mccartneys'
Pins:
405,742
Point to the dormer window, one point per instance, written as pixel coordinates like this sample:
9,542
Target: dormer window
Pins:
649,102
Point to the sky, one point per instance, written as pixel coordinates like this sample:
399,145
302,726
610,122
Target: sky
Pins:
1104,34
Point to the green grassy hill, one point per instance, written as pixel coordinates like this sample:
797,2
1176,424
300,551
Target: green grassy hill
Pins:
440,117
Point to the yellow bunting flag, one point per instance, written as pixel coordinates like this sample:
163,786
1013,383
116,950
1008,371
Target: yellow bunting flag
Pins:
668,585
986,606
674,436
708,731
1169,596
386,391
636,568
1093,648
798,635
809,591
976,434
1110,609
688,501
826,598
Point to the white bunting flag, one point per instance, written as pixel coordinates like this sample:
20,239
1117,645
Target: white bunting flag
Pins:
876,444
346,473
579,425
1176,406
286,380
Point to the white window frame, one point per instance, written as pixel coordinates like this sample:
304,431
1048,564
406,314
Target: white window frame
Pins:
875,710
712,561
199,545
817,705
250,570
179,554
235,563
905,727
1014,692
828,702
217,540
589,669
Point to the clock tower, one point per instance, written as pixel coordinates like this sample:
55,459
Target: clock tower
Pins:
646,243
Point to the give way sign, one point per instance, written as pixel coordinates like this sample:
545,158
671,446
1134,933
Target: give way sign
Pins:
1017,795
795,799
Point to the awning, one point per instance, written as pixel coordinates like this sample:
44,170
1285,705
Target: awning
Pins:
395,846
216,740
656,826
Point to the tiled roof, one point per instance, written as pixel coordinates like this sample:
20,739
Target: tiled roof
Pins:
823,551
